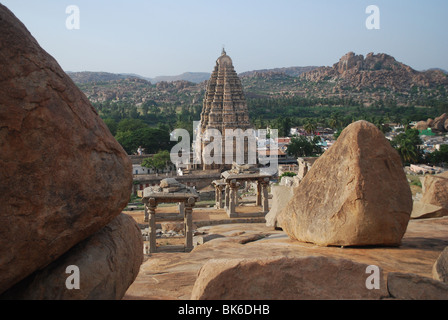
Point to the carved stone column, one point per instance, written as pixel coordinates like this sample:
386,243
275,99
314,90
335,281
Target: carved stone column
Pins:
231,212
265,195
146,212
227,196
181,208
188,222
218,197
152,205
258,201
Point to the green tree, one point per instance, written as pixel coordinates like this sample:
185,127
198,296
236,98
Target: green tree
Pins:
407,145
301,146
439,156
112,125
151,139
131,125
159,161
310,127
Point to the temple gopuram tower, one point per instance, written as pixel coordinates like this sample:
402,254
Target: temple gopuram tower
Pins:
224,107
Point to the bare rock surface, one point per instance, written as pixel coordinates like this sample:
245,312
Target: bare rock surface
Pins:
173,275
439,123
435,190
421,210
284,278
355,194
440,268
280,198
63,176
108,263
408,286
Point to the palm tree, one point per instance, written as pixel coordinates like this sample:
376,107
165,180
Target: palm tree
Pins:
309,127
408,151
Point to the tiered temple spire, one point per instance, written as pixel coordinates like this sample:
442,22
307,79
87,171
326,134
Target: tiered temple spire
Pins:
224,105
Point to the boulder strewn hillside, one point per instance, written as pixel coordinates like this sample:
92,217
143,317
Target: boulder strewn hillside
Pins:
375,71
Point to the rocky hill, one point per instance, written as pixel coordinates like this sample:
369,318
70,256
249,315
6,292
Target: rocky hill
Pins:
290,71
366,80
195,77
375,71
88,76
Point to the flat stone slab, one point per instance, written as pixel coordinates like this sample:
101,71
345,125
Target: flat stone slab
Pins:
172,276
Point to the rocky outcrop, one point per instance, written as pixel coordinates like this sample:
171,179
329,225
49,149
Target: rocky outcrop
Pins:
355,194
435,190
421,210
439,124
63,176
283,278
408,286
440,268
108,263
375,71
280,197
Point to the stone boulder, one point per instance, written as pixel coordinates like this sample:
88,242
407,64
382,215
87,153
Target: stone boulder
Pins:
355,194
408,286
421,210
435,190
439,123
63,176
421,125
280,197
285,278
108,263
440,268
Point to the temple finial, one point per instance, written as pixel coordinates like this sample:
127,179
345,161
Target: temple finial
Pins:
223,51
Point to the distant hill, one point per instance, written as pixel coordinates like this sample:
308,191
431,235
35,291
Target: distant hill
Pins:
88,76
195,77
437,69
289,71
369,79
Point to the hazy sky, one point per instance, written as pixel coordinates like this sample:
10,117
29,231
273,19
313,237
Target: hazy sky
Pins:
169,37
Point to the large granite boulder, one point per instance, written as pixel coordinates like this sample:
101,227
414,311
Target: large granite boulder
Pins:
440,268
435,190
63,176
280,197
355,194
409,286
439,123
421,210
108,263
283,278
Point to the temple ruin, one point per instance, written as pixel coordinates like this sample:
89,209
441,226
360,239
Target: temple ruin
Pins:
224,107
170,191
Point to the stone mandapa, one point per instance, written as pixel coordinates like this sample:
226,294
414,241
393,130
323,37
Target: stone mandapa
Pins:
63,176
355,194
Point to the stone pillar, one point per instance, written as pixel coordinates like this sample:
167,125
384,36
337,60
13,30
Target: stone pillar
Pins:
232,197
217,198
152,204
258,201
188,222
181,209
227,196
236,200
265,195
146,212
